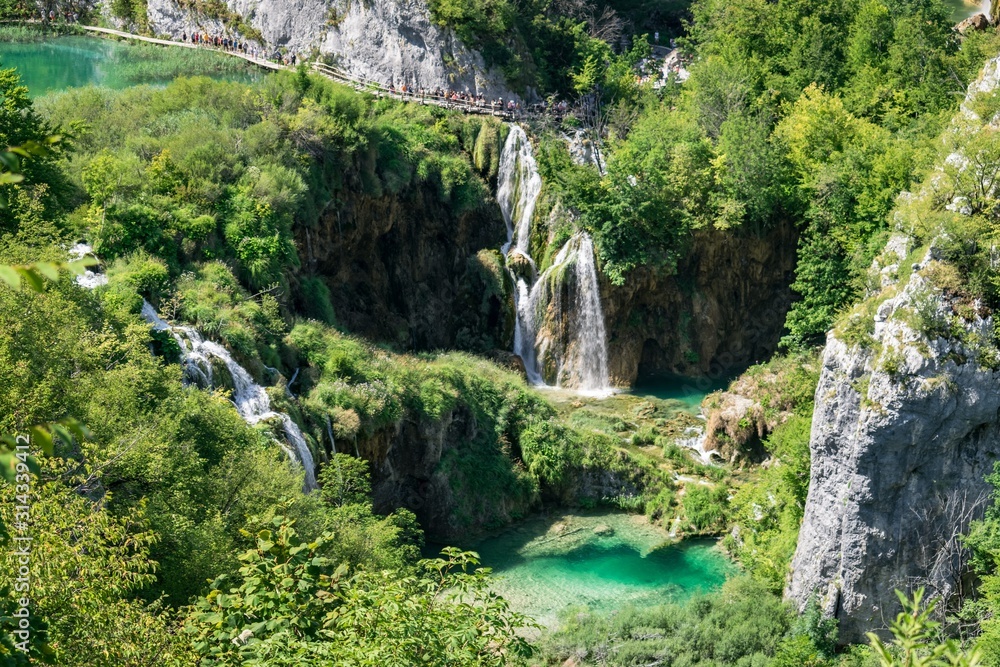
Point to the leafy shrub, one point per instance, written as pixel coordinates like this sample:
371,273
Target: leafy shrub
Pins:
705,507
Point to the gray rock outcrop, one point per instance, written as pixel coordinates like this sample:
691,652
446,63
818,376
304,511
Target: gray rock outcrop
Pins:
905,429
388,41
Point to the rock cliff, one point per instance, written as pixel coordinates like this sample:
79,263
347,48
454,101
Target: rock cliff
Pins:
389,41
906,424
435,468
723,309
905,429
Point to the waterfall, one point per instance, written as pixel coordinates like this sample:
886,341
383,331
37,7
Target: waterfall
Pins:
250,399
568,345
88,279
588,360
518,187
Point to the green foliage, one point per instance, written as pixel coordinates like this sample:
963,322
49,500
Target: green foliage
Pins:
206,171
743,624
538,44
829,148
89,563
768,510
292,606
213,300
983,540
316,300
345,480
366,392
550,452
705,507
917,642
791,115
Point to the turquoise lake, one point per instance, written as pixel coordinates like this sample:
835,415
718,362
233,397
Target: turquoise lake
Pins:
53,65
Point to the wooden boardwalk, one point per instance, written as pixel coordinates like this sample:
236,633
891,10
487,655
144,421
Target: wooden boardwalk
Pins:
260,62
360,84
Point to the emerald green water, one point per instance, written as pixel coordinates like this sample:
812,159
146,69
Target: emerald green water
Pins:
963,9
546,566
53,65
689,392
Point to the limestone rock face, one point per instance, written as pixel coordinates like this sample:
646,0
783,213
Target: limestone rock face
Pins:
905,428
388,41
904,431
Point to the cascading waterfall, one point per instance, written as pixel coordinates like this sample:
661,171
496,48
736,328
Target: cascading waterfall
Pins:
578,353
250,399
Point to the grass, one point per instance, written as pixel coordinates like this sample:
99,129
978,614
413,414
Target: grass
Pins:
32,33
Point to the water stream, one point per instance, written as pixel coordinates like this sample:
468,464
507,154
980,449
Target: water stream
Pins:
559,331
250,399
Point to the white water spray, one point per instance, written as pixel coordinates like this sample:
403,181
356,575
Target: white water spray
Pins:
578,352
250,399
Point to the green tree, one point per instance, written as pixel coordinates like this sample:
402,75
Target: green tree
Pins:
345,480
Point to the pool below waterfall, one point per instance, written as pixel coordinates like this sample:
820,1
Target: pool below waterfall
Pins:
548,565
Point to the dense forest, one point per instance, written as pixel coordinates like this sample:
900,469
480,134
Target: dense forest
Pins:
168,528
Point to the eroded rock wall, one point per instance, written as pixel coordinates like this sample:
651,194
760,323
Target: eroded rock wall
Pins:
407,270
722,310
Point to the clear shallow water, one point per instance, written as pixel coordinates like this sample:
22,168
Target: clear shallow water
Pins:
546,566
963,9
53,65
688,391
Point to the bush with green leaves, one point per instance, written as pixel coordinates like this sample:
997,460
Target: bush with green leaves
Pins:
768,510
289,605
705,507
741,625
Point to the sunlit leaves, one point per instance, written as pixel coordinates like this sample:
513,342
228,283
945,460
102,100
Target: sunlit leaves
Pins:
298,608
33,276
916,639
41,438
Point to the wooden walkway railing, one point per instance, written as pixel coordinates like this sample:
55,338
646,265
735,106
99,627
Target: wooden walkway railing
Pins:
260,62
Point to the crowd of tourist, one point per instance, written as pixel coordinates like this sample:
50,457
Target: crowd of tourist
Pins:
231,45
479,102
67,15
458,98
